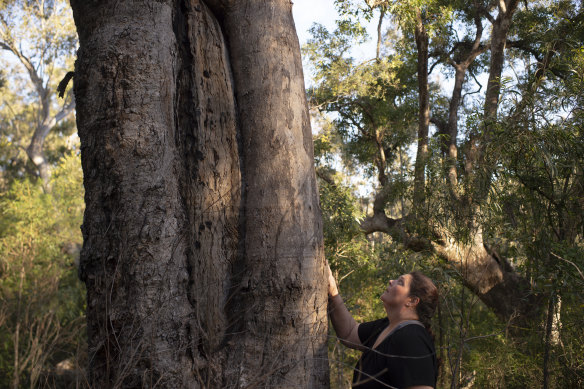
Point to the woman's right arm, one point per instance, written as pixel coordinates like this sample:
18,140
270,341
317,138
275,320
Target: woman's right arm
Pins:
345,326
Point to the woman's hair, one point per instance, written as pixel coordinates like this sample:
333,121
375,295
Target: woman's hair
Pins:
423,288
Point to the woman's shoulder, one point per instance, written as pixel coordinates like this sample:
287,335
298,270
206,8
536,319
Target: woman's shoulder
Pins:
374,324
368,331
378,322
413,330
412,336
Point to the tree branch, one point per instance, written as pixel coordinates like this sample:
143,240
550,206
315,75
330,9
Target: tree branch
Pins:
34,77
379,35
325,176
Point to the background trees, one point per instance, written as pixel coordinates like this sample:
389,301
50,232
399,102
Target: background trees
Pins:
462,219
42,301
38,40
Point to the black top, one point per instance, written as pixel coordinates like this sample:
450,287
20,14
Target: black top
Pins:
391,363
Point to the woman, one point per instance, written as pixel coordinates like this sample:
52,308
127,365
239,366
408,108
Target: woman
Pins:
398,350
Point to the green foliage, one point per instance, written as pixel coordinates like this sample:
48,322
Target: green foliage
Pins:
372,100
533,216
41,298
339,209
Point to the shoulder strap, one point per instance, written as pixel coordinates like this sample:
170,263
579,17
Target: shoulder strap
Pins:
405,323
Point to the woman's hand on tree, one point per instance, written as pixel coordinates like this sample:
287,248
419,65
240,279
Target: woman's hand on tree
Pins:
332,287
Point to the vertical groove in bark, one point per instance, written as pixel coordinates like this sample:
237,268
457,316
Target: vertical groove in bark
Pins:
282,298
210,182
156,119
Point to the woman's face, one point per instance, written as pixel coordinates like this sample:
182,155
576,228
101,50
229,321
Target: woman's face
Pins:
398,291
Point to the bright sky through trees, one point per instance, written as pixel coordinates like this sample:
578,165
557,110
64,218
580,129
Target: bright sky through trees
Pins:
308,12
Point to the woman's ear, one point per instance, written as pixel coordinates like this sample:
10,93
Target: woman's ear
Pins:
414,300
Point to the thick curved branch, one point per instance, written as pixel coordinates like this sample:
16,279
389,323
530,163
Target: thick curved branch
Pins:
479,26
378,222
490,276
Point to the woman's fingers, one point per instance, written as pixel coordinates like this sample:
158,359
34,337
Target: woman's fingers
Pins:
332,288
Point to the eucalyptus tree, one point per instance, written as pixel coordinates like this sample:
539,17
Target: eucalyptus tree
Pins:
203,254
38,39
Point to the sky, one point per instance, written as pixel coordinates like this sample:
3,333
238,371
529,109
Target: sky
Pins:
307,12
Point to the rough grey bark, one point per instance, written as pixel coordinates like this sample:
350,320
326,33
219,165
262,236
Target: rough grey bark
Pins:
202,253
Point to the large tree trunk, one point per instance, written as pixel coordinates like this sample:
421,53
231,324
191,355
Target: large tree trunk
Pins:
202,254
280,307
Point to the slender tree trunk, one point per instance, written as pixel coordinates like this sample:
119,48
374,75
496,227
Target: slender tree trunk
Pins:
441,346
481,167
202,253
424,111
379,32
35,148
452,130
548,339
46,122
17,367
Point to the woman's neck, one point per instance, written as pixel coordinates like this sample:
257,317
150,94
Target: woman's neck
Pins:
397,316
